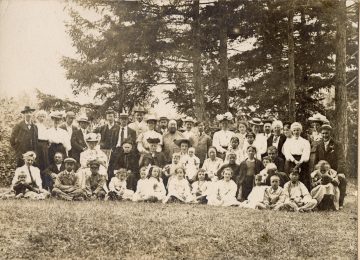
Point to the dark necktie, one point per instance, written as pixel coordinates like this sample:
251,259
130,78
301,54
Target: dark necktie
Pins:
122,135
31,177
275,139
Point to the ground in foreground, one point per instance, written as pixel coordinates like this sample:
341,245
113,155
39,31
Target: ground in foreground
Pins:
126,230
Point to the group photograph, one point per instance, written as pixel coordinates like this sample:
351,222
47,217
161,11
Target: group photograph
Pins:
179,129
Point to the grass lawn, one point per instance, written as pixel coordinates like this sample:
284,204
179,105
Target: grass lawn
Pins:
126,230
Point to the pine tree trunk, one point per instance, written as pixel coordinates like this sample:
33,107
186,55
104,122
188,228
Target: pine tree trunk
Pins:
224,93
340,78
291,60
196,55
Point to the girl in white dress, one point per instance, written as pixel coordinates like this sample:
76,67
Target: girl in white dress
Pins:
117,187
200,188
256,195
191,164
224,193
155,188
179,188
141,192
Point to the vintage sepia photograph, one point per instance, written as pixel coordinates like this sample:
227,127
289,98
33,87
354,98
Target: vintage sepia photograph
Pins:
179,129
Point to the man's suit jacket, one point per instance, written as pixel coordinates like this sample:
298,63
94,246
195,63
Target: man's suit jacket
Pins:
334,155
280,163
77,144
109,136
131,134
282,140
53,169
24,139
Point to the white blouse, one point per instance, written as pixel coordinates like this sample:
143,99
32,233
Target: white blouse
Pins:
296,146
222,138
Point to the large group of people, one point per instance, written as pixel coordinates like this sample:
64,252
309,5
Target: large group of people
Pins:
263,164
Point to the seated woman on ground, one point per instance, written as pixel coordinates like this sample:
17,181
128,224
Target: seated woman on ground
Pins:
27,181
224,192
325,190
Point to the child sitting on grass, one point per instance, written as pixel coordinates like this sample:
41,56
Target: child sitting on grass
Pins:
117,187
168,172
256,195
191,164
141,192
297,196
200,187
325,184
224,193
155,188
274,196
179,188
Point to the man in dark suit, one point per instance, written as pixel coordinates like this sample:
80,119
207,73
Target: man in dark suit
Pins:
24,136
274,158
78,143
125,132
331,151
49,175
109,132
277,139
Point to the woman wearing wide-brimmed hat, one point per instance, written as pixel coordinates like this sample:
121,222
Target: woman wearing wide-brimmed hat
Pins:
260,139
93,152
24,136
221,139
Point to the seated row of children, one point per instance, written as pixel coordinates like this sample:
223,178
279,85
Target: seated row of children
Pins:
268,189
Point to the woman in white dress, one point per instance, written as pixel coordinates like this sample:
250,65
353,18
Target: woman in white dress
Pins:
221,139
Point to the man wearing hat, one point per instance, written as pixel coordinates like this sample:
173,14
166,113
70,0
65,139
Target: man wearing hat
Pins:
24,136
142,144
78,144
169,146
109,132
331,151
68,125
163,125
139,125
67,185
59,139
